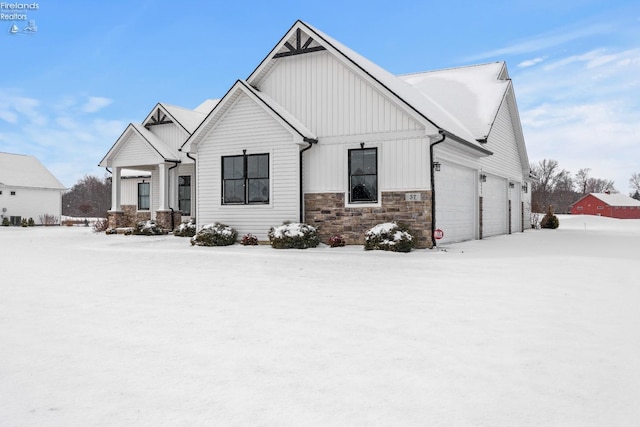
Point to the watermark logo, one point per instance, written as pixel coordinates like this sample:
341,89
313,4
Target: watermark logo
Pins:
21,17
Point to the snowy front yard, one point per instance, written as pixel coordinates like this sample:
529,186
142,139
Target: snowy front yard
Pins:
540,328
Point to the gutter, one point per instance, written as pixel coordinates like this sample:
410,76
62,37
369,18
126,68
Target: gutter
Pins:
309,141
175,165
443,133
195,180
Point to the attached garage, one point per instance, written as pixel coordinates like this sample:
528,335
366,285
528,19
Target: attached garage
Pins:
456,210
495,215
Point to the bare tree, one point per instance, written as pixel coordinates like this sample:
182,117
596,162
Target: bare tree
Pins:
597,185
581,180
634,182
90,196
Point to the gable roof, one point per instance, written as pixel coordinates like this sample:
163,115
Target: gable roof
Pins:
473,93
187,119
274,109
19,170
615,199
421,103
156,144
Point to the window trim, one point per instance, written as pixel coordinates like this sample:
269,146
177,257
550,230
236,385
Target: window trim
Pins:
148,196
190,193
363,203
245,180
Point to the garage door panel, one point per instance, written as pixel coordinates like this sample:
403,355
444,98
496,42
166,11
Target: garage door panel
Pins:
494,206
455,202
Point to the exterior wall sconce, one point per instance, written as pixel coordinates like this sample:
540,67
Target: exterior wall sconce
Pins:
511,185
525,188
483,177
436,166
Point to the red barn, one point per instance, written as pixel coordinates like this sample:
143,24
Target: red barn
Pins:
604,204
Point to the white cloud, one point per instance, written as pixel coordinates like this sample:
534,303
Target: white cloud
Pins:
95,103
545,41
531,62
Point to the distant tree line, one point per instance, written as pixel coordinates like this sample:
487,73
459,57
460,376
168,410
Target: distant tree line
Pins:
89,197
558,188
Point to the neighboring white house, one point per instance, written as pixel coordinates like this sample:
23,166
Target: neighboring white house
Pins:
28,190
319,134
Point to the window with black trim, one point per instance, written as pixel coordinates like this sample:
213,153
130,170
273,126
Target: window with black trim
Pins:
13,193
184,194
245,179
144,196
363,175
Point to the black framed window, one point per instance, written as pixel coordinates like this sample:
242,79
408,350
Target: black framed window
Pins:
184,194
144,196
245,179
363,175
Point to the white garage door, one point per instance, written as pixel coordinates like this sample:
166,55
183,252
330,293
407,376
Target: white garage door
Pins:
456,202
495,214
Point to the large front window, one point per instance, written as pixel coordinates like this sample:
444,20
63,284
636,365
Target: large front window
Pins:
363,175
245,179
184,194
143,196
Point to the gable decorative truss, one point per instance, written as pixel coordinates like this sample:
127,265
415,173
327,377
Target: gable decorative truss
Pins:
158,117
300,47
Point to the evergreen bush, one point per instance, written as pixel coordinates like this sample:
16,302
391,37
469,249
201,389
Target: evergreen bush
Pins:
24,222
6,222
147,228
293,236
550,220
31,222
186,229
215,235
389,236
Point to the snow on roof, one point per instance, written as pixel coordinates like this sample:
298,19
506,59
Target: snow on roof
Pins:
616,199
189,119
19,170
133,173
473,94
425,104
207,106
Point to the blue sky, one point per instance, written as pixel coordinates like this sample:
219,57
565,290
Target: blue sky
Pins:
69,89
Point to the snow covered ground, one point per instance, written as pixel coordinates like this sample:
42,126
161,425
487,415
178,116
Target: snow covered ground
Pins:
540,328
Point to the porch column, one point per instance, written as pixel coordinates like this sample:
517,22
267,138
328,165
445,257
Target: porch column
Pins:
163,190
115,189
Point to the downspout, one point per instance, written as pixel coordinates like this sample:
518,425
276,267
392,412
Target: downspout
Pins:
175,165
433,187
195,180
309,141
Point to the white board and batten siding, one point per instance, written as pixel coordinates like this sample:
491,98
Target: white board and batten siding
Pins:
330,99
344,110
247,126
171,134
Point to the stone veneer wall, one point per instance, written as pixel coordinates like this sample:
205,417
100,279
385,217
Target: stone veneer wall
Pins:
327,212
127,217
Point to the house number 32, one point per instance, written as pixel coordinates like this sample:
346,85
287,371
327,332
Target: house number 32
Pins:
412,197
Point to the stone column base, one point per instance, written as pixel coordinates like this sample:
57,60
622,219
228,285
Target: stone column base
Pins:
163,219
116,219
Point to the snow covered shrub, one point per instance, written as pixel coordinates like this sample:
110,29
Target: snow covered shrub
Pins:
550,220
24,222
186,229
47,219
6,222
147,228
293,236
389,236
215,235
249,240
336,241
31,222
